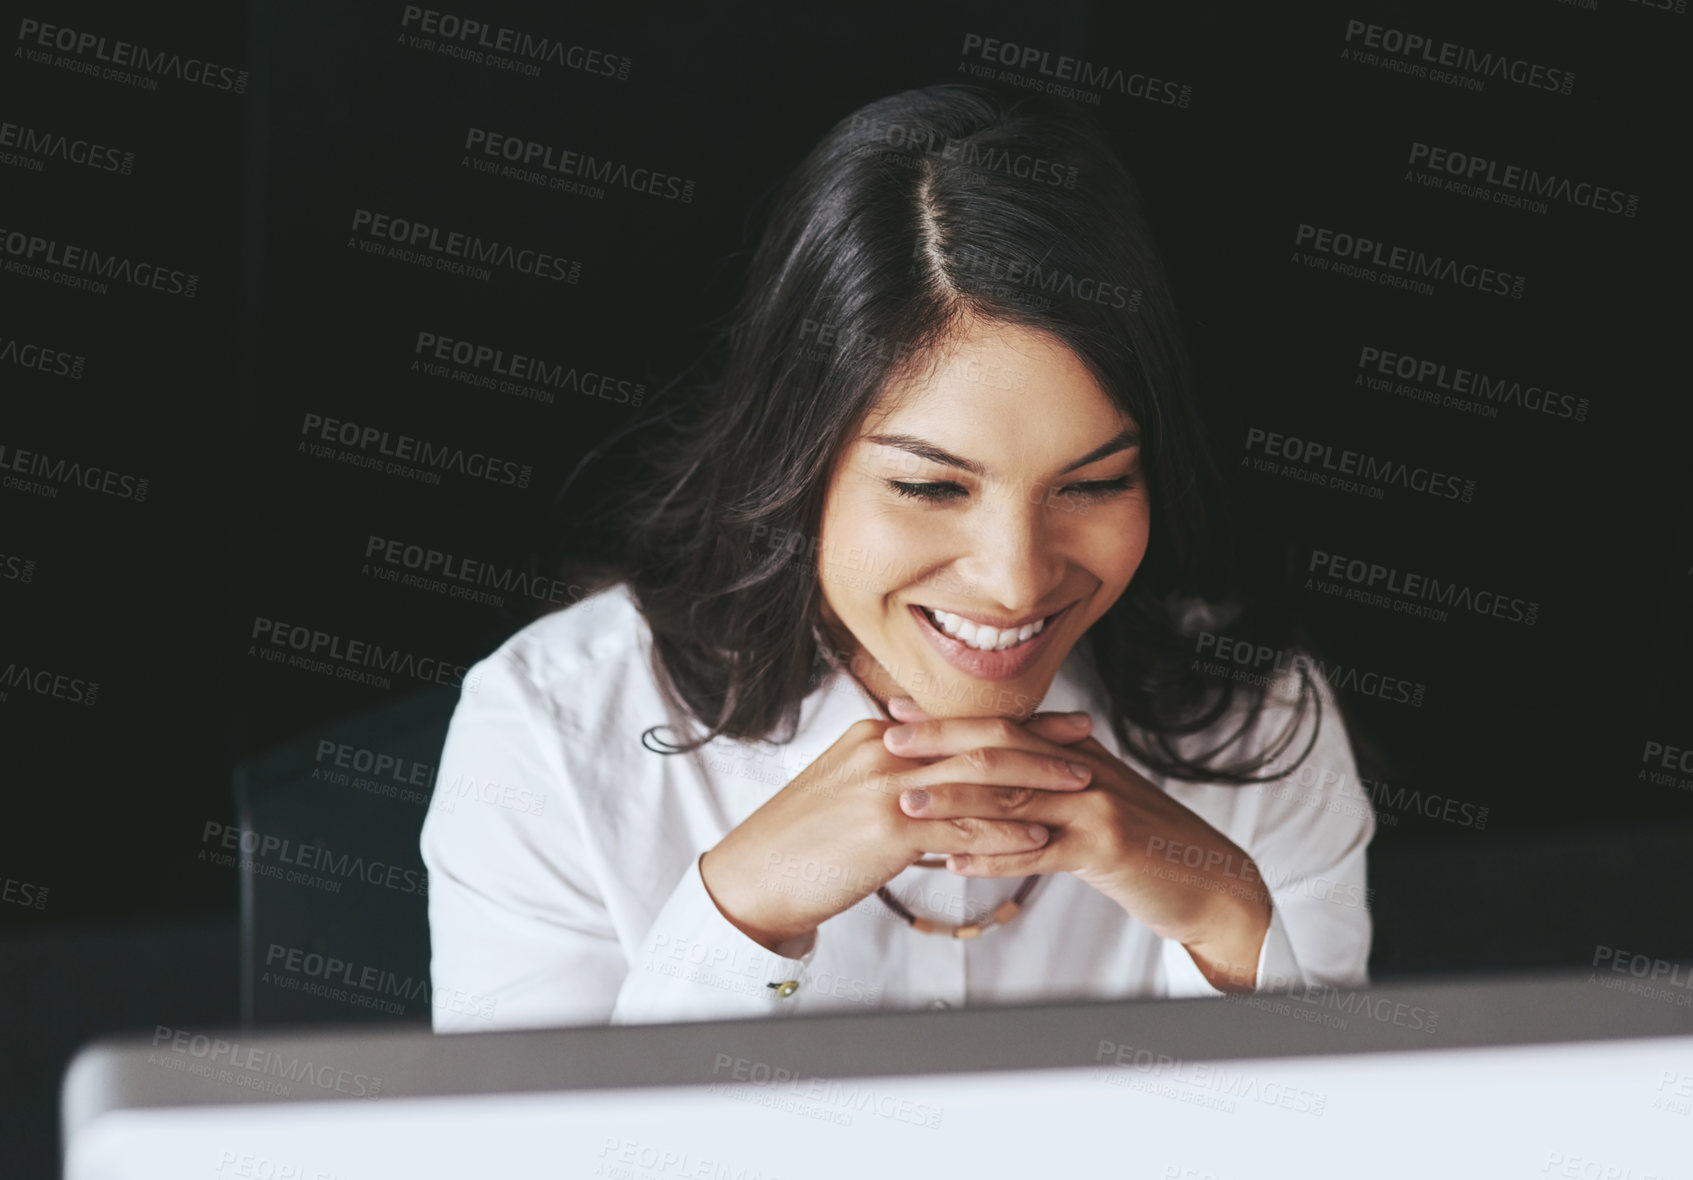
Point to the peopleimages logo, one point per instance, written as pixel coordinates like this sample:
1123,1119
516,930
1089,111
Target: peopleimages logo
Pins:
1660,764
56,686
87,268
369,446
55,362
67,472
1430,57
1355,249
1319,461
454,251
459,576
272,640
1375,584
500,47
1248,662
268,1070
911,142
373,771
38,145
499,150
483,366
1454,385
1471,175
1062,69
296,969
262,851
156,62
16,569
993,268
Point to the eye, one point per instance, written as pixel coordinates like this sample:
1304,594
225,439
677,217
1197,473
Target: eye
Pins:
937,490
934,490
1099,488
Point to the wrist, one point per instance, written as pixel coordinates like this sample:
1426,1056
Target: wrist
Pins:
770,931
1228,949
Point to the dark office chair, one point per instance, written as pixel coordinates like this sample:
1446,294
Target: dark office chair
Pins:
334,922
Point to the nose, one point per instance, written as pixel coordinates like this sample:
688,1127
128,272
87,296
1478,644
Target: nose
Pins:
1016,562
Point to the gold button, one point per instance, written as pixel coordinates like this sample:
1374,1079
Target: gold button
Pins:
786,988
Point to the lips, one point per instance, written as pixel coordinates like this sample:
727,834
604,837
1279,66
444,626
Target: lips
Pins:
997,663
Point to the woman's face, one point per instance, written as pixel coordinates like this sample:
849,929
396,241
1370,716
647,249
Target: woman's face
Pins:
1003,489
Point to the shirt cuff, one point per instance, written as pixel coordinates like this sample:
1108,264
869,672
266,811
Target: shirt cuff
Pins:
695,964
1277,967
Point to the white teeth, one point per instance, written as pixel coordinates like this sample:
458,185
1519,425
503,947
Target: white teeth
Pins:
984,638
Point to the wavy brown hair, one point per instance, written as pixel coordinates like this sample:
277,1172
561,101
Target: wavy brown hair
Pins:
910,214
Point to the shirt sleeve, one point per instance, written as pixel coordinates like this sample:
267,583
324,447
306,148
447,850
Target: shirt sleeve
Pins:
697,965
1308,842
521,936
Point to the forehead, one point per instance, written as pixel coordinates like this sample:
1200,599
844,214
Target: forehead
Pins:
999,385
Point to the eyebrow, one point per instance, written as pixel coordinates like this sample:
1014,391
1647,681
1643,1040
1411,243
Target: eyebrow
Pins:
1125,439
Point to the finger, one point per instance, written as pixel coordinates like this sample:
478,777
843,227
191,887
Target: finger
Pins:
1061,728
982,837
1004,864
997,766
954,800
939,737
906,709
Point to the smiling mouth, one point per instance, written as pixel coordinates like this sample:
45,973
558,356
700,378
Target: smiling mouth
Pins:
984,638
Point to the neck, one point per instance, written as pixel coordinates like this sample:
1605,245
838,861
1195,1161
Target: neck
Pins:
862,666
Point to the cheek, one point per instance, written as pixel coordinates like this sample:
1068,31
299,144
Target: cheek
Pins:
882,548
1115,543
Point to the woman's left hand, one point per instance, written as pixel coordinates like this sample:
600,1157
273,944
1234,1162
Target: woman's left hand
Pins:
1157,859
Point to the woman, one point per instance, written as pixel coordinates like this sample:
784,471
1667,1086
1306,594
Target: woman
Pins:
899,700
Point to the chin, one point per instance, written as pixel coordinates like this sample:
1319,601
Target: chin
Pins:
967,697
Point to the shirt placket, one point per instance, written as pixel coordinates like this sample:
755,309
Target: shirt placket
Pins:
936,962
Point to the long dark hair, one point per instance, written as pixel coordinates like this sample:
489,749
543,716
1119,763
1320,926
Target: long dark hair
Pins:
911,213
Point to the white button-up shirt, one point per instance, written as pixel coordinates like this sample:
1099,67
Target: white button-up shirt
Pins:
563,859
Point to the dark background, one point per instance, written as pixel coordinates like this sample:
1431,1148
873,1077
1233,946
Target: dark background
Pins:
128,925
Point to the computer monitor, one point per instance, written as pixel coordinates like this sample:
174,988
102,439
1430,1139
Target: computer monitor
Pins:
1587,1075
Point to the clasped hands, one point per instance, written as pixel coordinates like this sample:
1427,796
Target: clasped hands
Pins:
1108,826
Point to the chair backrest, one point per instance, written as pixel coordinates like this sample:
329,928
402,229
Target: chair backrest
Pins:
334,903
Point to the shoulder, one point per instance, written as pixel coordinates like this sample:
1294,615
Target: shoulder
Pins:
1313,799
1290,733
604,625
596,650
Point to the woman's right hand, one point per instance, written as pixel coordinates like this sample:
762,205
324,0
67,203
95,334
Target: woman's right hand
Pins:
836,833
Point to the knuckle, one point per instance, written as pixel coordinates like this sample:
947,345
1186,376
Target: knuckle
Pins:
982,760
969,829
1014,798
1004,730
